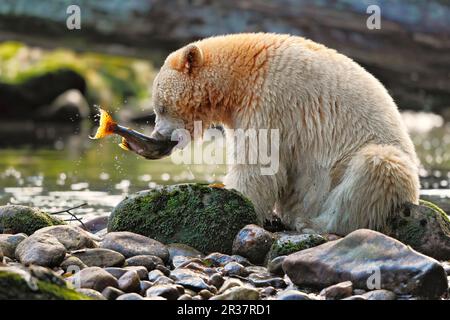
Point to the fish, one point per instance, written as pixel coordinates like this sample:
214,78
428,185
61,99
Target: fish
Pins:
132,140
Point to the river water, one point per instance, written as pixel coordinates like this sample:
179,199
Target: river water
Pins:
56,167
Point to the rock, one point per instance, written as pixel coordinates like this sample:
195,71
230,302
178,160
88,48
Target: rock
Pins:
426,228
182,273
154,275
130,296
216,280
22,219
268,291
290,242
72,237
380,295
275,266
100,257
338,291
91,293
149,262
355,297
144,285
253,243
265,280
168,291
9,243
230,283
183,250
193,214
179,261
205,294
41,249
164,280
72,264
256,269
367,258
446,266
292,295
234,269
132,244
129,282
140,270
184,297
218,259
238,293
19,284
163,269
116,272
112,293
96,224
94,278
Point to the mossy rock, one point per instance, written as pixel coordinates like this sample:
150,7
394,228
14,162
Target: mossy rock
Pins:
19,285
424,227
204,217
287,243
23,219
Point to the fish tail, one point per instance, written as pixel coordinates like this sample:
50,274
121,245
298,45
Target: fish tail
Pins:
124,144
106,125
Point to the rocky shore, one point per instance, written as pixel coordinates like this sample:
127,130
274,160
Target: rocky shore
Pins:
195,242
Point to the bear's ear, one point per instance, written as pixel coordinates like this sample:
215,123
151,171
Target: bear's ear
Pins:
191,58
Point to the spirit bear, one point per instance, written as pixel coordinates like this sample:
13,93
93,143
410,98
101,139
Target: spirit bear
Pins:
345,158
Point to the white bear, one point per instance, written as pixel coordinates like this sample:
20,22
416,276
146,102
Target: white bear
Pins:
345,159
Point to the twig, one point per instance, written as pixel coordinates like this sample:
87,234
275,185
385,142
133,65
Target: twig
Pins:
63,211
74,217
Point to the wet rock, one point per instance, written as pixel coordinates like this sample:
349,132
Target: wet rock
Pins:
141,271
130,296
256,269
144,285
338,291
426,228
234,269
170,292
206,294
163,269
216,280
179,261
218,259
132,244
96,224
94,278
230,283
91,293
293,295
154,275
268,291
275,266
23,219
72,264
19,284
9,243
129,282
193,283
359,257
193,214
355,297
112,293
72,237
100,257
116,272
149,262
184,297
183,250
380,295
289,242
238,293
253,243
41,249
164,280
265,280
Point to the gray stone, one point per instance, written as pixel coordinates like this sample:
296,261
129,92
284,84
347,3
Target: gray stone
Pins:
338,291
150,262
154,275
94,278
292,295
358,256
116,272
380,295
130,296
275,266
289,242
164,280
180,249
193,283
230,283
234,269
265,280
131,244
91,293
41,249
72,264
168,291
72,237
216,280
238,293
100,257
141,271
9,243
253,243
112,293
130,282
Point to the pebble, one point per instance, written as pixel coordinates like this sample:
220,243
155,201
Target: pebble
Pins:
238,293
170,292
185,297
380,295
111,293
205,294
91,293
100,257
116,272
144,285
94,278
234,269
355,297
9,243
230,283
293,295
130,296
72,237
41,249
154,275
193,283
275,266
216,280
338,291
164,280
150,262
141,271
253,243
129,282
264,280
72,264
163,269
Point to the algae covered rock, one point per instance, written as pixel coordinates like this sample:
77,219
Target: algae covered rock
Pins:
206,218
426,228
23,219
288,242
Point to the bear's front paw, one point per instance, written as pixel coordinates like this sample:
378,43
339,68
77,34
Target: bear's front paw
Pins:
274,225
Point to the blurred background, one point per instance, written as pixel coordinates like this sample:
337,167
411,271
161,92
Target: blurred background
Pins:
52,79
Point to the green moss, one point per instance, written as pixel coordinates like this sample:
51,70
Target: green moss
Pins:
14,286
288,244
203,217
17,219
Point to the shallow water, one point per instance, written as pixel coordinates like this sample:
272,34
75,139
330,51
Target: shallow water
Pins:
54,168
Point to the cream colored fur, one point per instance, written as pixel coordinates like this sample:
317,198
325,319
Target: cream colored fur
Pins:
346,160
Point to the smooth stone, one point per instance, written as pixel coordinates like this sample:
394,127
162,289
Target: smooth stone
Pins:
94,278
116,272
179,261
380,295
112,293
91,293
355,297
131,244
129,282
218,259
234,269
141,271
130,296
9,243
238,293
170,292
144,285
193,283
155,298
100,257
72,264
206,294
292,295
358,292
289,242
358,256
198,266
154,275
164,280
150,262
41,249
182,273
256,269
216,280
240,259
265,280
230,283
163,269
338,291
72,237
253,243
268,291
184,297
180,249
275,266
96,224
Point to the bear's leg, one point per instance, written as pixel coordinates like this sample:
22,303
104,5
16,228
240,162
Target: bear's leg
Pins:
262,190
378,179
